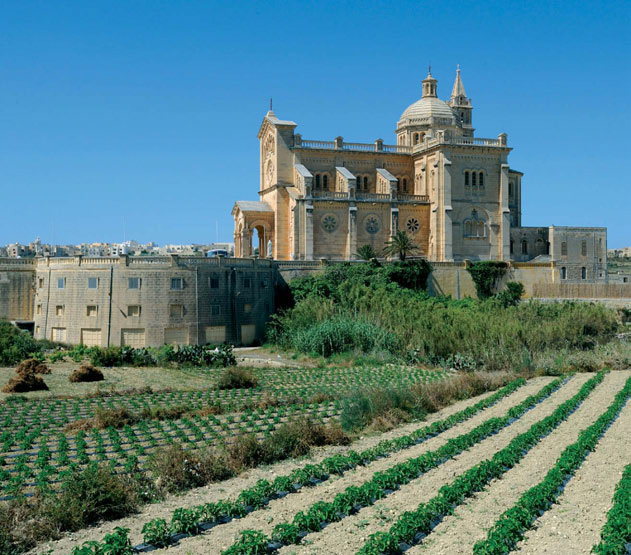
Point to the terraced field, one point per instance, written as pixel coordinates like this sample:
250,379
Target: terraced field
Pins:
36,449
534,468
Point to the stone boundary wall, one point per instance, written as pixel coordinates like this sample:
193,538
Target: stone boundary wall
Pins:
583,290
17,290
153,300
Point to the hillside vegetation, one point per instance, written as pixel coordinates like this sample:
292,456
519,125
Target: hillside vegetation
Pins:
386,310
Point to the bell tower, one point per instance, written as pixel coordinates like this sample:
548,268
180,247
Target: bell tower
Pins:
461,105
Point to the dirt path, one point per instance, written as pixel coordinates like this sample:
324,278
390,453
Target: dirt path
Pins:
574,524
283,510
457,534
231,488
350,534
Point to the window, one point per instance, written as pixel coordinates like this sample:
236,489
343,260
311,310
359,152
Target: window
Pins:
325,182
133,310
91,310
510,189
365,183
264,283
177,283
213,281
176,310
583,273
481,179
524,247
317,181
215,310
39,309
474,226
61,283
466,179
564,249
473,180
247,308
133,283
415,138
583,248
563,272
512,243
405,185
93,283
41,283
247,283
59,310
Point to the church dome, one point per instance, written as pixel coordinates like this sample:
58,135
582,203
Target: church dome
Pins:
428,107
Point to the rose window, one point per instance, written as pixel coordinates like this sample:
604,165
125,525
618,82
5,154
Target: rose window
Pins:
412,225
329,223
372,224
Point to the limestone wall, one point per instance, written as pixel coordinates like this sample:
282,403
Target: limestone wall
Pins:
150,301
16,289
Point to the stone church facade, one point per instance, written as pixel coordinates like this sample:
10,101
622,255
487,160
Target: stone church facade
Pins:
454,193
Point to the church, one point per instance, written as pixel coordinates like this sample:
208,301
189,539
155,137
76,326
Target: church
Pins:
453,193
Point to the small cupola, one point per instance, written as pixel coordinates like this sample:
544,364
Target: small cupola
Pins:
429,85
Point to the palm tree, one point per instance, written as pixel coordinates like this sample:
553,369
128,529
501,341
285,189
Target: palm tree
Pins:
400,244
366,252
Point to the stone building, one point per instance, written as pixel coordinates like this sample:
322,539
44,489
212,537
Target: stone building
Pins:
152,300
454,193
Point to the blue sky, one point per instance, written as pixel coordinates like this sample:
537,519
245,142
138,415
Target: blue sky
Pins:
147,111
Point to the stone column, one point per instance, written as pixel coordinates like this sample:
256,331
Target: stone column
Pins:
394,220
351,245
309,232
447,211
245,243
503,247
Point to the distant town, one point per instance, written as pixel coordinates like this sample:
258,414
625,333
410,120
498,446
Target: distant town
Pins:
36,249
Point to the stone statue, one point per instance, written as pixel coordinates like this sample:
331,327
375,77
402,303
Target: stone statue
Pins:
269,249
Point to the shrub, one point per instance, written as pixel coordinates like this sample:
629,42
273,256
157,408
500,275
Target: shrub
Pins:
237,378
86,373
485,276
17,345
342,334
511,295
176,469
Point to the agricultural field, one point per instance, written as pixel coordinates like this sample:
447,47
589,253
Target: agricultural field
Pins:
42,439
535,467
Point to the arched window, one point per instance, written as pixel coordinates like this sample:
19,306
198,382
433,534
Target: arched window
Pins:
563,248
415,138
473,180
405,185
466,179
524,247
583,248
317,181
563,272
583,273
481,181
547,247
510,189
474,226
325,182
511,246
365,183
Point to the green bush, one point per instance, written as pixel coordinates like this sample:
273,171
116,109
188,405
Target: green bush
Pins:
237,378
17,345
485,276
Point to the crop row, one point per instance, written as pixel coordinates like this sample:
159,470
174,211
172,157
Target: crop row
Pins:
412,526
615,537
194,519
511,526
383,483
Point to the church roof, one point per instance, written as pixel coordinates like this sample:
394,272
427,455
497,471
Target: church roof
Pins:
426,107
253,206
